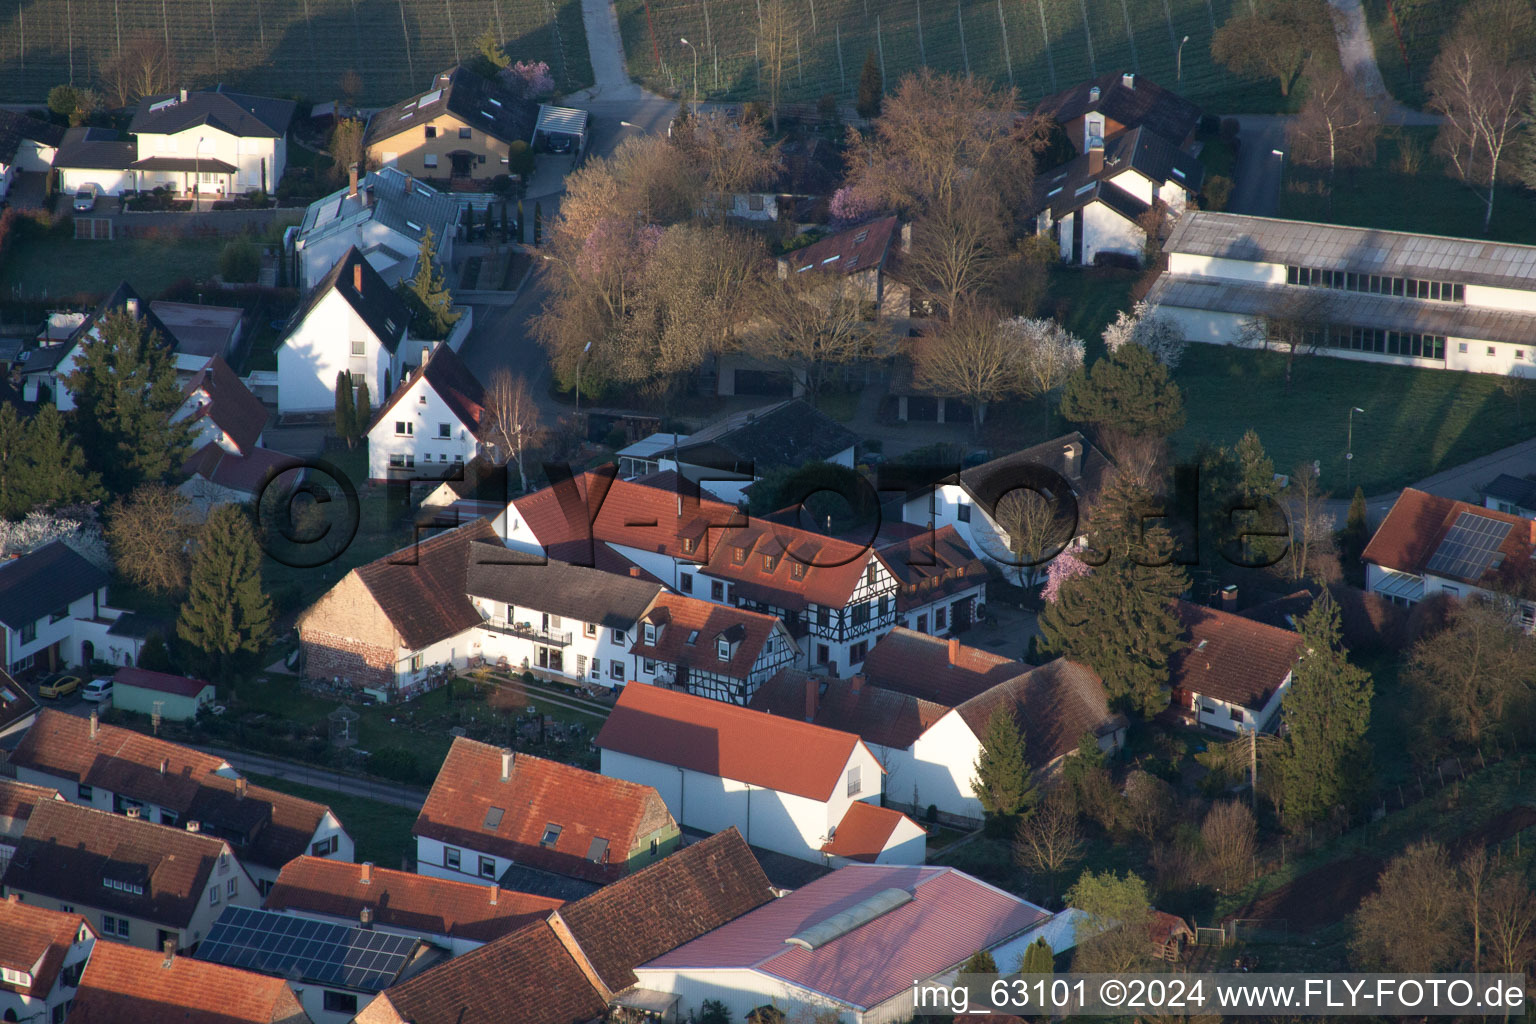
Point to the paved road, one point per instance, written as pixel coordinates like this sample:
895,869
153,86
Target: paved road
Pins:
500,337
1256,191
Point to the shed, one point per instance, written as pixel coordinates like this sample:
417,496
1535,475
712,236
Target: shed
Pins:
180,697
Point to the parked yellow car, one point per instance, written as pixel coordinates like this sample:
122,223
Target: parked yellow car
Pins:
57,686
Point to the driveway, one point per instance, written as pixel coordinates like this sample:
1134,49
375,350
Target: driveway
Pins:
500,338
1256,189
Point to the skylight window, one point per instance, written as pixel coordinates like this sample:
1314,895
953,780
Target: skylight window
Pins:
430,98
1085,188
493,101
1053,191
803,269
493,817
413,225
693,637
861,236
1178,174
551,835
831,259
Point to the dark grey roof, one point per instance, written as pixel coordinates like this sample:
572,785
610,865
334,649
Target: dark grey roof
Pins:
991,480
1363,250
1359,309
1513,489
121,296
786,434
233,112
1074,184
570,591
481,104
544,883
14,127
45,581
390,197
140,625
382,310
1143,102
95,148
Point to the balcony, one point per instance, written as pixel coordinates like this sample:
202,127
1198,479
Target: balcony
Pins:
528,631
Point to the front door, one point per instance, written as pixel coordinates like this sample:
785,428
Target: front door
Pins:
960,620
462,162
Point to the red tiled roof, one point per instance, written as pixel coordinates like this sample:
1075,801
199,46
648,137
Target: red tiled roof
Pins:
246,473
400,899
678,617
943,671
864,832
937,563
1231,658
861,247
35,941
420,588
588,807
162,682
1417,523
126,985
714,738
237,412
18,798
830,569
446,374
879,716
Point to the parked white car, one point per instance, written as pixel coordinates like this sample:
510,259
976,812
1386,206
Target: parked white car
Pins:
98,690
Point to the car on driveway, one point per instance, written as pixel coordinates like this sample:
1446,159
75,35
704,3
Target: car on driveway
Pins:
559,143
85,199
97,690
57,685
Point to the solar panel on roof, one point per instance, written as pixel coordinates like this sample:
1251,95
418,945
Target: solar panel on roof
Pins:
358,958
1468,546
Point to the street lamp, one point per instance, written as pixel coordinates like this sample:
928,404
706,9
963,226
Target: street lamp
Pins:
1349,450
585,349
695,50
1181,57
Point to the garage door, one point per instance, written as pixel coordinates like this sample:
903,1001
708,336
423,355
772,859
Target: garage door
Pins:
922,409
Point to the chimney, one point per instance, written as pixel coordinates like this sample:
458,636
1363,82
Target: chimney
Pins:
506,765
954,649
12,898
165,765
634,571
194,827
1229,597
95,723
1072,459
1093,95
241,785
1128,80
169,948
133,812
367,878
1095,154
856,683
132,306
812,687
906,237
410,183
495,894
365,919
357,277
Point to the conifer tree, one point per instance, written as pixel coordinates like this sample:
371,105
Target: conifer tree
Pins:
125,390
56,470
154,655
346,428
1326,761
980,962
426,294
1004,783
1356,533
362,415
1038,958
15,502
1128,392
226,619
871,88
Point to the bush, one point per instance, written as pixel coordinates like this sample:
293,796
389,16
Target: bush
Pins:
1118,260
1217,191
615,438
1210,125
931,815
240,263
394,763
520,158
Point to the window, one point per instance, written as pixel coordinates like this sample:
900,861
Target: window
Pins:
922,624
444,430
29,632
451,857
1237,714
723,649
797,570
397,462
357,348
589,628
421,399
854,783
597,668
581,666
648,630
616,670
551,835
823,615
431,131
1462,348
85,792
858,652
325,846
716,590
755,201
693,637
654,847
650,666
1490,351
963,511
685,582
871,572
429,160
938,618
168,817
770,562
689,544
861,613
464,133
404,428
823,656
232,888
487,867
619,637
416,662
340,1002
114,925
213,895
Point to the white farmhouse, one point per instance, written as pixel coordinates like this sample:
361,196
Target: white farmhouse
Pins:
433,422
718,765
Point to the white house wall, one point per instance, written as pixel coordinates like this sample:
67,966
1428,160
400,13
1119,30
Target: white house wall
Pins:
1134,182
1229,269
1104,230
431,861
426,413
62,632
112,181
941,765
320,348
600,650
741,990
1215,713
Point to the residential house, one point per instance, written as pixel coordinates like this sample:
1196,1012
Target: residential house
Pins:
929,746
129,633
1068,471
384,216
1132,140
1511,495
26,144
17,799
201,330
564,621
125,772
1378,296
581,959
135,881
456,916
706,760
221,409
351,321
42,955
123,985
389,623
460,128
491,811
728,456
938,669
435,421
1431,545
1231,673
53,610
174,698
17,708
333,969
856,943
213,143
710,650
941,584
217,476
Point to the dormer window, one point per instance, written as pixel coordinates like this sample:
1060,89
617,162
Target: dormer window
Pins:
689,544
770,562
650,633
739,555
723,649
797,570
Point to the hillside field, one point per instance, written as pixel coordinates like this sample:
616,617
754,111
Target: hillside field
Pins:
297,48
1039,46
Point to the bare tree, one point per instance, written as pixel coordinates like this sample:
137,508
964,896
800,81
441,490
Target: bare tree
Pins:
973,357
1511,923
511,419
726,157
1278,40
1311,524
1035,529
958,246
1050,840
1294,324
148,533
778,34
1408,924
346,148
1476,872
143,67
1148,803
1467,678
815,327
1229,837
1482,98
1337,127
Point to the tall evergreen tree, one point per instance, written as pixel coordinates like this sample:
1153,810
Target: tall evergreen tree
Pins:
1038,958
1326,761
1120,619
346,409
1355,535
125,391
15,501
871,88
56,472
362,414
426,294
226,619
155,655
1127,391
1004,784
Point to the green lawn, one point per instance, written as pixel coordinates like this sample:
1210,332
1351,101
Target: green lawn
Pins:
1420,28
1416,422
1390,195
381,832
1086,299
42,265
